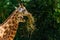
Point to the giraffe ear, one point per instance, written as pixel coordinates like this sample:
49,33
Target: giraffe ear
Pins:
21,5
15,7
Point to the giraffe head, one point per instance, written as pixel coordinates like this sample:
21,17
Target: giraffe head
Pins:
20,18
21,12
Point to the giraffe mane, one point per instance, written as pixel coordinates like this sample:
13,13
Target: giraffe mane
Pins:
8,17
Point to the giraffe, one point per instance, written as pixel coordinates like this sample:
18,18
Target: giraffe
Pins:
9,27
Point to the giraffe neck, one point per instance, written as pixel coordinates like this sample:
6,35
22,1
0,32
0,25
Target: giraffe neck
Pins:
9,28
10,31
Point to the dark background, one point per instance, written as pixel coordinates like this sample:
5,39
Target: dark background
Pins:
46,14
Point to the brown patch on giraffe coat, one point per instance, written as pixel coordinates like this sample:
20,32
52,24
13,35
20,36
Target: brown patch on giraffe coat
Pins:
10,34
1,38
5,27
6,35
9,22
9,38
13,17
13,27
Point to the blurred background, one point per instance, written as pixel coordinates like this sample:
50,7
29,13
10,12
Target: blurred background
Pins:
45,12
